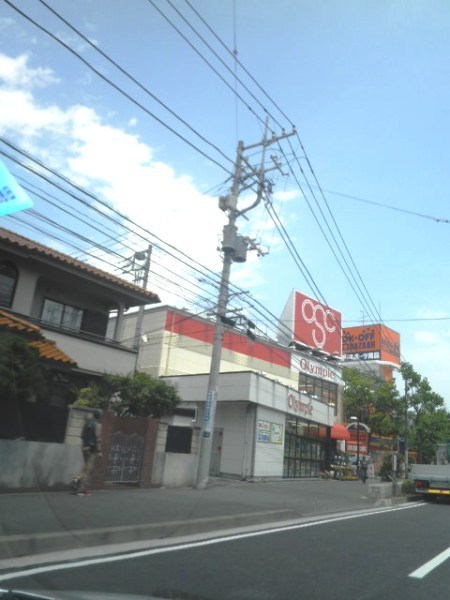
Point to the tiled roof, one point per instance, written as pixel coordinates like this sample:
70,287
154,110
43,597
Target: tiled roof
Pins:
39,250
46,348
49,350
17,324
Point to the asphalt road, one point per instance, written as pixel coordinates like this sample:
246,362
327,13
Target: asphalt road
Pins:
364,555
42,522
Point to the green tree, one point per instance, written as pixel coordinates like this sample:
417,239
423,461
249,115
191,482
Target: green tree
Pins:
427,421
135,395
372,399
21,373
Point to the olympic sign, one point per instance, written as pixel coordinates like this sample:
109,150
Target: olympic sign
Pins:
316,325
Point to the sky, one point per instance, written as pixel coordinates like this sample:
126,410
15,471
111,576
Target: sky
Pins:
366,84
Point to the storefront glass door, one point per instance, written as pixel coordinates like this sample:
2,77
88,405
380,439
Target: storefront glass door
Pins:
302,455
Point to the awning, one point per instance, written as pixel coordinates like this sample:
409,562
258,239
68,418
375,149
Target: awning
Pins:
339,432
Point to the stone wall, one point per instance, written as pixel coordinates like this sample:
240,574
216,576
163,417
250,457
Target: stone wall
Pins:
37,465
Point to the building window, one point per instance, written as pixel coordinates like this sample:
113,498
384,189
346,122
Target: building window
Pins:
8,280
179,439
61,315
318,389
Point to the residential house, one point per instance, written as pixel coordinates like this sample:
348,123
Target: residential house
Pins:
66,303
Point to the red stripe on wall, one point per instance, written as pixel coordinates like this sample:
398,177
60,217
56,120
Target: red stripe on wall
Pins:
204,332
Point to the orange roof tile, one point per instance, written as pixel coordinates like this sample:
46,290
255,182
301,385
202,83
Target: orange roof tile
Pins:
13,322
47,349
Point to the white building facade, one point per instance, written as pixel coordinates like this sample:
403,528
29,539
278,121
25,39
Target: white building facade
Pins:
276,406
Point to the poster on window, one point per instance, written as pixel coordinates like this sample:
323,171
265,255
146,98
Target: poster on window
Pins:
264,432
276,433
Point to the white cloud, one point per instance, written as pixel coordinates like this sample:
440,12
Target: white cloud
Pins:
118,166
6,22
287,195
15,73
75,42
427,313
430,349
111,162
427,338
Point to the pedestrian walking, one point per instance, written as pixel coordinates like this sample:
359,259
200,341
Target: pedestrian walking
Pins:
363,469
91,438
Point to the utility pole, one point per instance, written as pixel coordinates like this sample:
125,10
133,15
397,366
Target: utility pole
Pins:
140,278
406,431
234,247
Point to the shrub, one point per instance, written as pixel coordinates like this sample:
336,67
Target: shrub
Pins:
408,487
386,467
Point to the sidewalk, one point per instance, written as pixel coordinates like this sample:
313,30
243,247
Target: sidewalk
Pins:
33,523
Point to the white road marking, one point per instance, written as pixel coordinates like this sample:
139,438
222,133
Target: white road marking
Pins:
186,546
422,571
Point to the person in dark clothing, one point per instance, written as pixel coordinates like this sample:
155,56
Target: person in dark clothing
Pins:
91,441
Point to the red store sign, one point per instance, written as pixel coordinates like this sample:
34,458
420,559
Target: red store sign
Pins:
316,324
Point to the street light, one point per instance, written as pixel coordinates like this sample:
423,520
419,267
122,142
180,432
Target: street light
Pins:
328,457
357,441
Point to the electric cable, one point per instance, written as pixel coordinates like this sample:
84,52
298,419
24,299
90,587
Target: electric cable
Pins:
117,87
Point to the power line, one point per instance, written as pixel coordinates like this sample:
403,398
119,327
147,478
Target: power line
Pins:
234,55
233,73
361,297
360,294
59,41
389,206
117,87
134,80
166,18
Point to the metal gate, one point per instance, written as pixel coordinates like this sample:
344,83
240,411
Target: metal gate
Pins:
125,458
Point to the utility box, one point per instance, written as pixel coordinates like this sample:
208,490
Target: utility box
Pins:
229,241
234,244
240,254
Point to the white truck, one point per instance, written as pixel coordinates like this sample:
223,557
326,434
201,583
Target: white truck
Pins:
432,481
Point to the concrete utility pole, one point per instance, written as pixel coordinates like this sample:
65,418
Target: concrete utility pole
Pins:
234,247
141,278
406,431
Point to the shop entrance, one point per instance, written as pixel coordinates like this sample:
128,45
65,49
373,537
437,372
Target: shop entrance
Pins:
304,450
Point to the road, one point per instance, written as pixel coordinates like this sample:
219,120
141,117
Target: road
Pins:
41,522
374,553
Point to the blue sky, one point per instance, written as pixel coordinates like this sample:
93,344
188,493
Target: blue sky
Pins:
365,82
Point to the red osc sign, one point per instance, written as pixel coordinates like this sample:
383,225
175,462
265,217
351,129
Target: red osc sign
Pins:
316,325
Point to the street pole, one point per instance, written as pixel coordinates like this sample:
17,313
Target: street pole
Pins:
209,414
406,430
357,445
140,316
233,246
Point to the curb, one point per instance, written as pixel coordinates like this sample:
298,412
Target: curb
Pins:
20,545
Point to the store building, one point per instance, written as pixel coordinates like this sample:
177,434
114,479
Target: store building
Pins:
276,404
262,427
372,348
